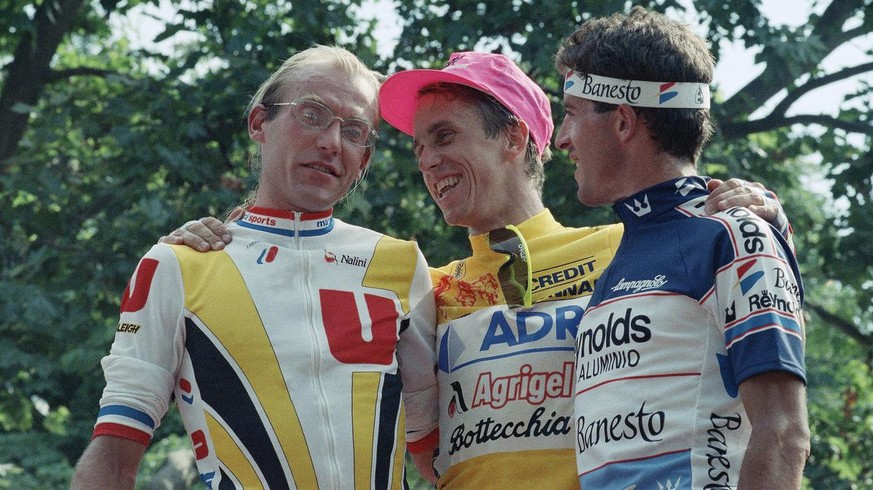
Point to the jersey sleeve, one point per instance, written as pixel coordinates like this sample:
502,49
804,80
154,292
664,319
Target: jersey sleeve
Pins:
759,299
416,354
147,350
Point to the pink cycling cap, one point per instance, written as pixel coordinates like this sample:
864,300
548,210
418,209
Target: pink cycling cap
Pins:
494,74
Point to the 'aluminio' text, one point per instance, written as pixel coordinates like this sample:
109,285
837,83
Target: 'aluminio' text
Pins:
591,368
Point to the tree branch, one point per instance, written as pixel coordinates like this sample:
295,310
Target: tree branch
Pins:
843,37
816,83
845,326
52,76
24,82
775,77
741,129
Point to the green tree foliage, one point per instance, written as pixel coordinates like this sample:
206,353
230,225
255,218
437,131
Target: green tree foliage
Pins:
106,145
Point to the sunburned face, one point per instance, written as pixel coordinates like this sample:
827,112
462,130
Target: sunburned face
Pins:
306,169
465,171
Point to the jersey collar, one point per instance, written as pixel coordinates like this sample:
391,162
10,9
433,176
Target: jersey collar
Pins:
660,198
287,223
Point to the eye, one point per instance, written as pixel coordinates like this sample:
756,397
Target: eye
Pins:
312,114
443,136
355,131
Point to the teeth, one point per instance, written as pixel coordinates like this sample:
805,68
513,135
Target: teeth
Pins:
446,185
321,168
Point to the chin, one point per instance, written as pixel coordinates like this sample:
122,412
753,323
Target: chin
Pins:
588,200
450,221
454,217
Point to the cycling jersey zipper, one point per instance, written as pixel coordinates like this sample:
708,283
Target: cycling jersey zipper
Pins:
316,358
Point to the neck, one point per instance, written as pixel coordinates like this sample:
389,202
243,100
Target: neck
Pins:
652,169
516,210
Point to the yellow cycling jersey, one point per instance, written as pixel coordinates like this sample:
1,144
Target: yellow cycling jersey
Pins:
506,374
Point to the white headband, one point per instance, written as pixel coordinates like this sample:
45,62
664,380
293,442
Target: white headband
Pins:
669,95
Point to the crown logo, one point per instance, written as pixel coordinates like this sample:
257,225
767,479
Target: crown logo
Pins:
640,208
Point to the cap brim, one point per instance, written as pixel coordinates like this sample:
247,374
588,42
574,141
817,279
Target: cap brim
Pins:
398,96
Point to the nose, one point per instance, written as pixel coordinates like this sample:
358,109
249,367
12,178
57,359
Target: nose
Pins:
427,159
562,139
330,138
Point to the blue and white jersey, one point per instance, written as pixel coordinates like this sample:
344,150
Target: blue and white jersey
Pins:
690,307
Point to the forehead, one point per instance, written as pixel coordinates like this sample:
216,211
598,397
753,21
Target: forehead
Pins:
577,103
438,109
345,94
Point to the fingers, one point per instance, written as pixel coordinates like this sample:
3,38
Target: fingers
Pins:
170,239
235,214
713,184
215,226
734,192
204,234
192,234
751,195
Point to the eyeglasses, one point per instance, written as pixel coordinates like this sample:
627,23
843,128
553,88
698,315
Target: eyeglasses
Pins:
315,115
516,274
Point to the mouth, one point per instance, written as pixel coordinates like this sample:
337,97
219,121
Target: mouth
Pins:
446,184
323,168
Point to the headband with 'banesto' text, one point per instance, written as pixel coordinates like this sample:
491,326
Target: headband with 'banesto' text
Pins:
669,95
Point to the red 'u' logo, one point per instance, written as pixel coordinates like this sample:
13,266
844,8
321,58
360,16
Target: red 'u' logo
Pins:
345,331
131,302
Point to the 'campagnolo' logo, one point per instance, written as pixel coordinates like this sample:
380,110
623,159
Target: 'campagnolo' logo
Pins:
640,285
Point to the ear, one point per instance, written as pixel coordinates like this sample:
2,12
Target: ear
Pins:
516,139
627,122
257,117
365,160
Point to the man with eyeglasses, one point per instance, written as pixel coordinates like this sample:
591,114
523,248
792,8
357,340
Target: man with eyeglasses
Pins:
509,313
284,351
701,313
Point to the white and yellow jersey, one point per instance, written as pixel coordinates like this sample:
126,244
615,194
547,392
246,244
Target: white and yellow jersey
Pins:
284,352
506,374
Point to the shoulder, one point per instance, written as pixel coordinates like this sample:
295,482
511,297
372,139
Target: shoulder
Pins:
589,239
352,233
161,253
749,233
453,268
341,228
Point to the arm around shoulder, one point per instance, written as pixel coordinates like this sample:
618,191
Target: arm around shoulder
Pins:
108,462
776,405
422,453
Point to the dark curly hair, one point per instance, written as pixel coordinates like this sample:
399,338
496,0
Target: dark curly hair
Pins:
646,46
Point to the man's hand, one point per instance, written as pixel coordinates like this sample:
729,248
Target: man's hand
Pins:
751,195
204,234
